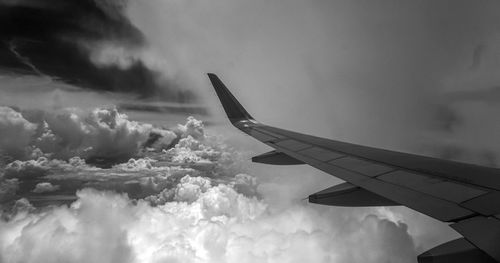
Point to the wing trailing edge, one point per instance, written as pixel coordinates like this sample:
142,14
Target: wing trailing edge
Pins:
458,251
276,158
346,194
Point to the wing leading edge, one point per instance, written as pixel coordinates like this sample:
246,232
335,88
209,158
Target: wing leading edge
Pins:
466,195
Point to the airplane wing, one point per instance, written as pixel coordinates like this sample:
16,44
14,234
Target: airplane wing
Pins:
466,195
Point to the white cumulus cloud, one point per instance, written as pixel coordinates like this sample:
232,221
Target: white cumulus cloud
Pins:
192,200
98,133
45,187
15,132
206,224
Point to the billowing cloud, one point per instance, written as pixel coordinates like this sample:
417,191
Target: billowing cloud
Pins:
45,188
102,133
191,201
16,132
102,149
8,188
205,224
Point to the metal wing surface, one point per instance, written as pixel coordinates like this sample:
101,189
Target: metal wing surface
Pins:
466,195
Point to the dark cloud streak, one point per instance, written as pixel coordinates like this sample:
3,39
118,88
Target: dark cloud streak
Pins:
55,38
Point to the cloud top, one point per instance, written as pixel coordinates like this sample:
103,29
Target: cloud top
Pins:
205,224
101,133
191,201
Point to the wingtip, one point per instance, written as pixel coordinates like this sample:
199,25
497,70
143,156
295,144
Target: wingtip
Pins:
213,77
233,108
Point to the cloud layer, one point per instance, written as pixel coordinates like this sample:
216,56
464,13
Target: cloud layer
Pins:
95,134
203,224
188,198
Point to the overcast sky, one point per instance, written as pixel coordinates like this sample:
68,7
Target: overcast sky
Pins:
414,76
411,75
417,76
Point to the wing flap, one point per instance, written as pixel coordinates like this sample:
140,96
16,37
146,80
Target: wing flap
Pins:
433,186
487,205
364,167
483,232
456,251
321,154
261,136
346,194
293,145
276,158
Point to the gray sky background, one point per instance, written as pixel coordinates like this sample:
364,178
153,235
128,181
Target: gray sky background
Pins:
382,73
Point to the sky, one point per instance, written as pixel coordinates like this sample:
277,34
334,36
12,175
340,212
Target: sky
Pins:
99,158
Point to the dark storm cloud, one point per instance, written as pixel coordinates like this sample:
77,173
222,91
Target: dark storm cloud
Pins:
56,38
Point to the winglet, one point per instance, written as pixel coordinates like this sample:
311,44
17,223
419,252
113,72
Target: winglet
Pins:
235,112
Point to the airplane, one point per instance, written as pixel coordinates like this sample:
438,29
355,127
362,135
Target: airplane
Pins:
466,196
